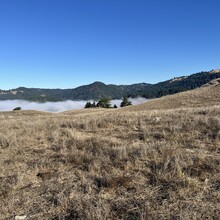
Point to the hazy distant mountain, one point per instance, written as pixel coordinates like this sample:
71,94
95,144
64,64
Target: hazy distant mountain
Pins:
98,90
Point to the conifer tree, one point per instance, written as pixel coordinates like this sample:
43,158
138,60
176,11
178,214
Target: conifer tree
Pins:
125,102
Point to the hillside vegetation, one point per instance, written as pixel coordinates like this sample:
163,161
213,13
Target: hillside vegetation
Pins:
159,160
99,90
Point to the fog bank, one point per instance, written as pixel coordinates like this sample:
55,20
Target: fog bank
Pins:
9,105
134,101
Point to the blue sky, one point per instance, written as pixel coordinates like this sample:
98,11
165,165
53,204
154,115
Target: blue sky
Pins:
68,43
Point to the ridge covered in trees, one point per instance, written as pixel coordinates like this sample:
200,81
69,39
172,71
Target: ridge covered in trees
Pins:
98,90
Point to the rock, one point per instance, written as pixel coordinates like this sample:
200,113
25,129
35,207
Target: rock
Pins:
157,119
22,217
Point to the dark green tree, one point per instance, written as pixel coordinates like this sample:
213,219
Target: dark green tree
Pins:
93,105
125,102
88,105
104,103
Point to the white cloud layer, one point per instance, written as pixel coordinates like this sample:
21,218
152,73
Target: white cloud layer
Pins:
9,105
135,101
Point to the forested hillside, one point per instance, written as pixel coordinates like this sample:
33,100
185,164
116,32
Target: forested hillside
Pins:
180,84
98,90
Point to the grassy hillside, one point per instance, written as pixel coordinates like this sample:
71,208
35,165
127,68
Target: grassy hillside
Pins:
159,160
208,94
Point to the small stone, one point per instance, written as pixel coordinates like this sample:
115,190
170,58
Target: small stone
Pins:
20,217
157,119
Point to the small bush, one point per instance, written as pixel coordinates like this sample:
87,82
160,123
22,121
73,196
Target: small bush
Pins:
17,109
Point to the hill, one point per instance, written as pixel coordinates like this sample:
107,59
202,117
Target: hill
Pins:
205,96
94,91
98,90
180,84
158,160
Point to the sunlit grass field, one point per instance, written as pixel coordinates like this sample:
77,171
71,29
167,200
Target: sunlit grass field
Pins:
159,160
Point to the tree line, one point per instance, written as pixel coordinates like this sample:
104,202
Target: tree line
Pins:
105,103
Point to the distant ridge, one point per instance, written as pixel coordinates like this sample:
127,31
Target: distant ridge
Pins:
98,90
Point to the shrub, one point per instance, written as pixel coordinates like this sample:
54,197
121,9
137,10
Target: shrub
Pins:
125,102
17,109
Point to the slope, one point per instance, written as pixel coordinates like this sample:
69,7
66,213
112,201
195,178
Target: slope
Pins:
132,163
207,95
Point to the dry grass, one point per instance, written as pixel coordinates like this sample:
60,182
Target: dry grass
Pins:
115,164
207,95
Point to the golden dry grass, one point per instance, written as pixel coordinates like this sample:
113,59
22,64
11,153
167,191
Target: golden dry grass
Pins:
154,161
207,95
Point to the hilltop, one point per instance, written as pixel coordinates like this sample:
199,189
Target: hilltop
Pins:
98,90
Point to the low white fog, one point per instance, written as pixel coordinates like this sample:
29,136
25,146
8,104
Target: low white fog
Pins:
9,105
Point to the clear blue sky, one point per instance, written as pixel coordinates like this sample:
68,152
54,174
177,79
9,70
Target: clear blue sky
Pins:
67,43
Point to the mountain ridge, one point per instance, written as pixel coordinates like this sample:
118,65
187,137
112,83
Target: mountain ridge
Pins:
98,90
